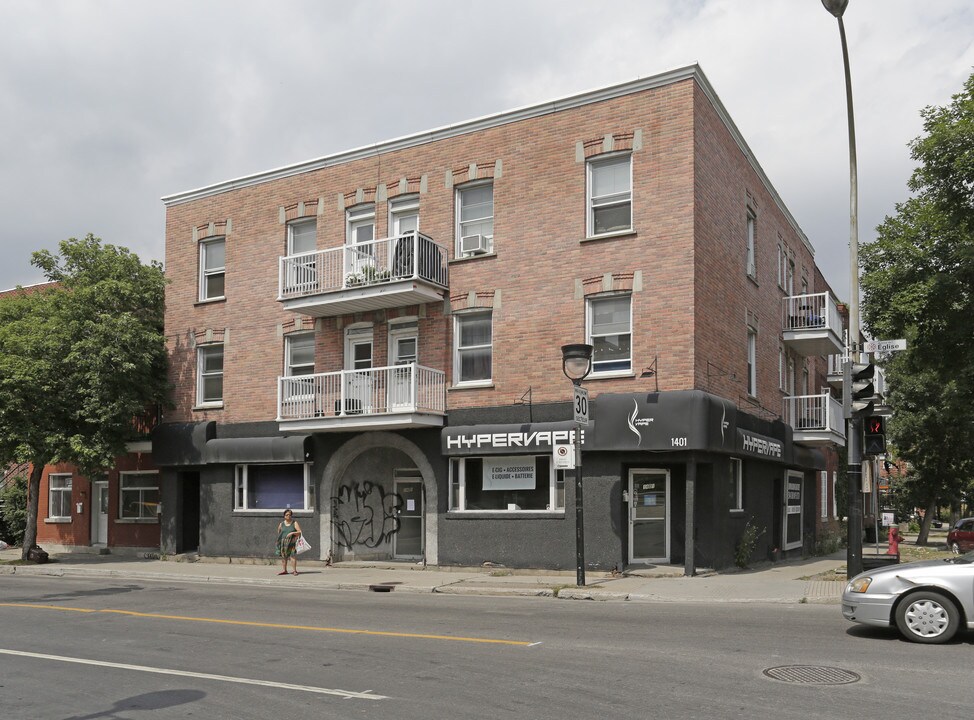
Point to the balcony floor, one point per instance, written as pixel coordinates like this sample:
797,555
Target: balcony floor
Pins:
818,438
364,299
353,423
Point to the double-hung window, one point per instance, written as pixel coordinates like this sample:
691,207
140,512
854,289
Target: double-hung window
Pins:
609,325
737,484
138,495
209,375
59,495
213,252
475,219
508,484
273,487
299,354
609,195
751,263
473,347
752,359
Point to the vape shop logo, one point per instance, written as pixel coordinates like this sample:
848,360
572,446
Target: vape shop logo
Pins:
635,422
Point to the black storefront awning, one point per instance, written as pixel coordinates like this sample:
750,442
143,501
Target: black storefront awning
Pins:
181,444
294,448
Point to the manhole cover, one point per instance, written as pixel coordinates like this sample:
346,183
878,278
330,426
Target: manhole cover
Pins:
812,675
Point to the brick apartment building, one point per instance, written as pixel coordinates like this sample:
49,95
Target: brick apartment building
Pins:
373,339
114,512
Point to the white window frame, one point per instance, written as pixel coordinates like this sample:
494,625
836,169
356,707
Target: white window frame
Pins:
202,375
781,368
824,484
302,223
590,335
356,217
458,351
752,358
207,273
457,501
241,480
459,227
617,199
737,480
289,365
59,492
140,489
400,208
752,221
782,254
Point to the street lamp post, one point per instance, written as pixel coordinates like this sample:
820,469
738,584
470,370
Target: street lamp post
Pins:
576,363
853,426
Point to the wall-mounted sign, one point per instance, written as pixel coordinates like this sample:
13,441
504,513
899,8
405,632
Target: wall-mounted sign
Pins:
509,473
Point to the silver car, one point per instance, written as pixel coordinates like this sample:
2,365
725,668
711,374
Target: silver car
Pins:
928,601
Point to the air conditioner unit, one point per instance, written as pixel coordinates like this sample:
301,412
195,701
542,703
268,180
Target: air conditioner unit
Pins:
473,244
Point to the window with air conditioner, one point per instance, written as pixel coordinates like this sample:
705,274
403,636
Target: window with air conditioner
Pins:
475,219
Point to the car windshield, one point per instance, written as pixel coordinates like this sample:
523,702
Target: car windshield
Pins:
964,559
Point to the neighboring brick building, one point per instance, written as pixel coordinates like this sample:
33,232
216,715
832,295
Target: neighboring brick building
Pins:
402,394
117,511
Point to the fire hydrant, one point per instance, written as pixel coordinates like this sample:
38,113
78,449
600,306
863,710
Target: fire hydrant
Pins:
894,540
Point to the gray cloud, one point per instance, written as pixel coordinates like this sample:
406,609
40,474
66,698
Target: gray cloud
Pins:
110,105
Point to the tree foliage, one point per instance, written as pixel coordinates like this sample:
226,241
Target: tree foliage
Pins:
79,360
918,284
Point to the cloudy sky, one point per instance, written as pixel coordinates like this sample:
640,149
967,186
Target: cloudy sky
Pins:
109,105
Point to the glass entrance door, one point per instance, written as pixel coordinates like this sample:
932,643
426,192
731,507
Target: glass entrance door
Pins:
649,516
408,541
403,344
99,513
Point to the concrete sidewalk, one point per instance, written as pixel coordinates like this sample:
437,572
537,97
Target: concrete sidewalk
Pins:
783,582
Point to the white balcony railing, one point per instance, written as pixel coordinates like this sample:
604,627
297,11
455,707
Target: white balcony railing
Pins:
811,312
389,390
412,256
814,413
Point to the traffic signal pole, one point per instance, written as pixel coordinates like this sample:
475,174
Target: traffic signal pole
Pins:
854,474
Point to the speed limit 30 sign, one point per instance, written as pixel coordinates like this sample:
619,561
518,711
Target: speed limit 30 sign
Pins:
581,405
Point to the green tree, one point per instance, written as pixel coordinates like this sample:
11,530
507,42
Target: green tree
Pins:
79,360
918,283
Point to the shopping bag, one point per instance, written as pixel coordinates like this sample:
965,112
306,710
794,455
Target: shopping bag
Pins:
302,545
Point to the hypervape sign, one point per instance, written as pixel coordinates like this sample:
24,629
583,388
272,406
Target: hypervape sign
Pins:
504,439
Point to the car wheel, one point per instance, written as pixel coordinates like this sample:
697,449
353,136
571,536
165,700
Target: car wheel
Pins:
927,617
955,548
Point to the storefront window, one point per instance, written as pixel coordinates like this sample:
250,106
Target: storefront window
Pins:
272,487
506,483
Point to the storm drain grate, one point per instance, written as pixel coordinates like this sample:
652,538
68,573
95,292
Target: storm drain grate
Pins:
812,675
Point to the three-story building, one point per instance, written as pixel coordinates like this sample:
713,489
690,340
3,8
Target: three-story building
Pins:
372,339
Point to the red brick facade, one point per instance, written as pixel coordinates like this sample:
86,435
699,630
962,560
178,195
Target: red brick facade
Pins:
694,182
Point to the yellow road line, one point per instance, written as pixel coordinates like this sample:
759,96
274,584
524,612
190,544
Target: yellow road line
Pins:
278,626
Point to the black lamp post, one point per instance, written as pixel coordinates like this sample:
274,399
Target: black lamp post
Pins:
576,363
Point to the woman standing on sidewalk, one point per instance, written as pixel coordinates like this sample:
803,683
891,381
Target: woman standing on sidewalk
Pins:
288,533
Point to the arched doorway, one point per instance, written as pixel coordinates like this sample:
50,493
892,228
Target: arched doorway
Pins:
374,488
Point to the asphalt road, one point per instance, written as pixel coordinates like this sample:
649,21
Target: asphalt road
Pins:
81,649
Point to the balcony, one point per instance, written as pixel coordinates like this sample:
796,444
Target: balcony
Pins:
816,419
812,324
385,398
834,372
408,269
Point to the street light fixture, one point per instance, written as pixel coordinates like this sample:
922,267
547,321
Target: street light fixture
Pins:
576,363
854,424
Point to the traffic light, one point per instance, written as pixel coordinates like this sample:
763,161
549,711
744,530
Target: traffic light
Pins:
874,435
858,390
